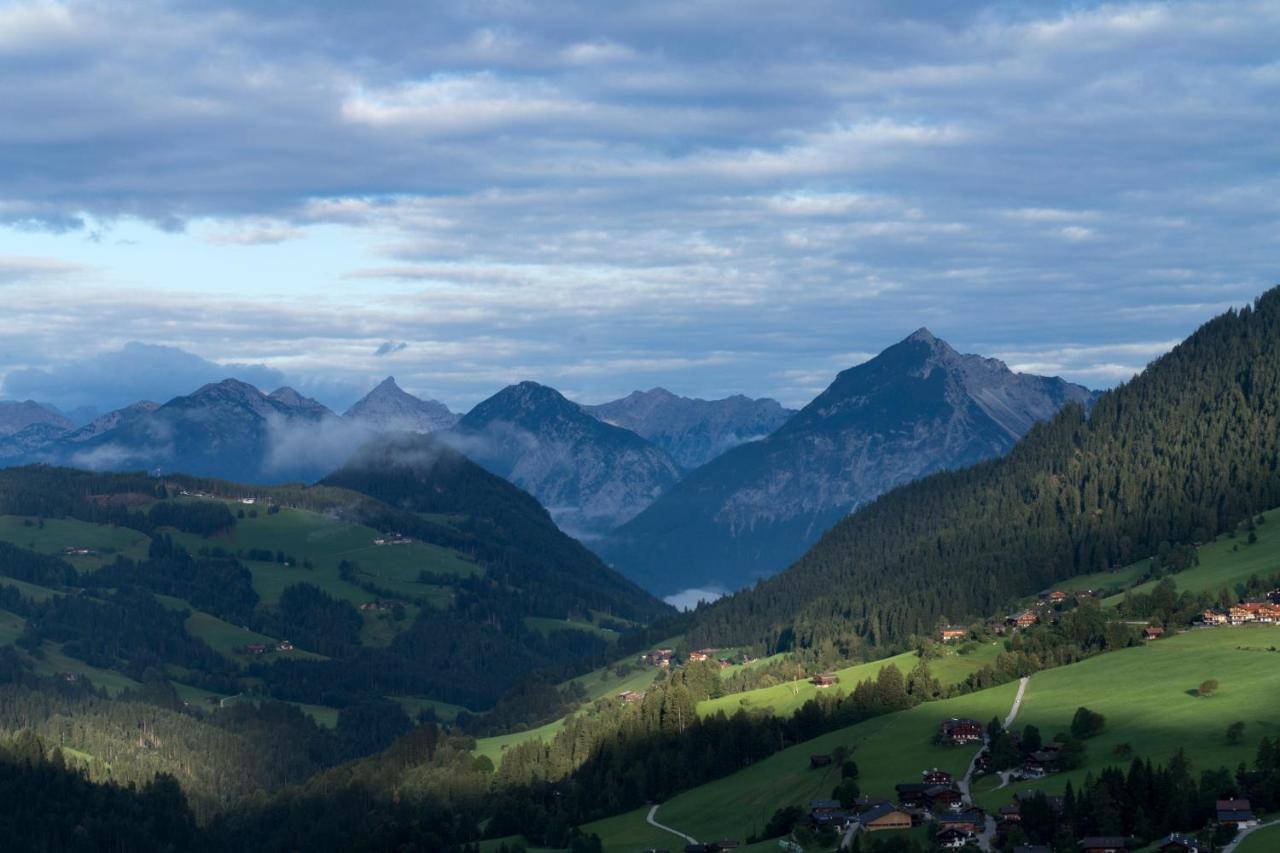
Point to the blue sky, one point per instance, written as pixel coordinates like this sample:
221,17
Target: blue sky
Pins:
715,197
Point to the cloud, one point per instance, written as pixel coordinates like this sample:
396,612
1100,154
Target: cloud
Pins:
14,270
390,348
136,371
606,199
690,598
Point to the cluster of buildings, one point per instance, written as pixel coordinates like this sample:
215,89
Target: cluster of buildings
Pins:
393,539
77,551
658,657
664,658
1265,612
936,800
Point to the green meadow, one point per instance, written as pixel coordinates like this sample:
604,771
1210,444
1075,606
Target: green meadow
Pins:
58,534
785,699
325,542
889,749
1263,840
1148,696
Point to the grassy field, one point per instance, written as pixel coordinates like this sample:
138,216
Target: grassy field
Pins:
889,749
58,534
545,625
55,662
225,638
414,704
1264,840
784,699
493,747
11,625
30,590
605,682
1148,697
1228,562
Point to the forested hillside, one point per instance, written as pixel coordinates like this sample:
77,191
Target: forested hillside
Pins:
1185,451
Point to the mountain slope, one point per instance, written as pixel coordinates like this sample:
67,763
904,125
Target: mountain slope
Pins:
591,476
516,535
1181,453
388,408
692,431
916,408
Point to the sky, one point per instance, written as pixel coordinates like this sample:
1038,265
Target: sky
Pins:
715,197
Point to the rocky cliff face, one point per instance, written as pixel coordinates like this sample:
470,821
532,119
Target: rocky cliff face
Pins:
389,408
690,430
916,408
590,475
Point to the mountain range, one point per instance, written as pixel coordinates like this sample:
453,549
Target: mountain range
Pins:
917,408
675,492
227,429
591,475
693,431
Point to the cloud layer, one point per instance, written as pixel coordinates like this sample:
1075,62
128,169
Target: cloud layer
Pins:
718,197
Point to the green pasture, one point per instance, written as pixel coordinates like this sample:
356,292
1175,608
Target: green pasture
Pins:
1148,696
58,534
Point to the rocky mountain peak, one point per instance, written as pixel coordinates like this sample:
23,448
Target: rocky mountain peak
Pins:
390,408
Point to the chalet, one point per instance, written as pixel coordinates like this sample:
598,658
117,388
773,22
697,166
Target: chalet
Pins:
822,807
1010,814
912,793
816,761
1179,843
952,838
837,819
1215,617
886,817
725,663
950,633
255,649
1056,596
825,680
1025,619
1239,614
944,797
1152,632
658,657
70,677
1040,763
934,776
249,501
697,656
284,646
74,551
959,731
1104,844
973,821
866,801
631,696
1237,813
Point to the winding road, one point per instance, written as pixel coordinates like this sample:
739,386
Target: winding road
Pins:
989,828
652,820
1244,833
